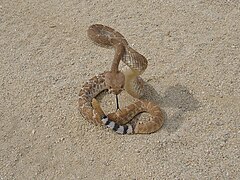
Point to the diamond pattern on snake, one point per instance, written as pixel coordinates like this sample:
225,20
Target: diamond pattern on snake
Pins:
115,81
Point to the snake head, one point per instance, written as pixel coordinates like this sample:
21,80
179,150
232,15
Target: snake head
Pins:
115,82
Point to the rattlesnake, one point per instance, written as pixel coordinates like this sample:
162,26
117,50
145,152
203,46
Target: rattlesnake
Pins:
115,81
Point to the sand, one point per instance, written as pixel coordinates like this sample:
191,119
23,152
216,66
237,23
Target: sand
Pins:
194,68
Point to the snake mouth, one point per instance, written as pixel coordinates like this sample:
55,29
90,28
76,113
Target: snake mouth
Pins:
114,91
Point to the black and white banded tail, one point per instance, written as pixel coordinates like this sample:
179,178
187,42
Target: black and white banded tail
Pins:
120,129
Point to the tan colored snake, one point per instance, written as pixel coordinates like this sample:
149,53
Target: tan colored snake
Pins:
115,81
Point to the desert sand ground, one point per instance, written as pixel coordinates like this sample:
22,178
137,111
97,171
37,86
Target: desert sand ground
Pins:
194,63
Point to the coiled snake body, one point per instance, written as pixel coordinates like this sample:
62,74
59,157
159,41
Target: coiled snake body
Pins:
115,81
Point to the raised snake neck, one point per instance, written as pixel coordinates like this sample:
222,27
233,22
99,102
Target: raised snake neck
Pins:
89,106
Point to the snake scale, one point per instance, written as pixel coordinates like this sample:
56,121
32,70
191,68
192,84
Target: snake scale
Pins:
115,82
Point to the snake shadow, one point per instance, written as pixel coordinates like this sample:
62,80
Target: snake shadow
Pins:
178,97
